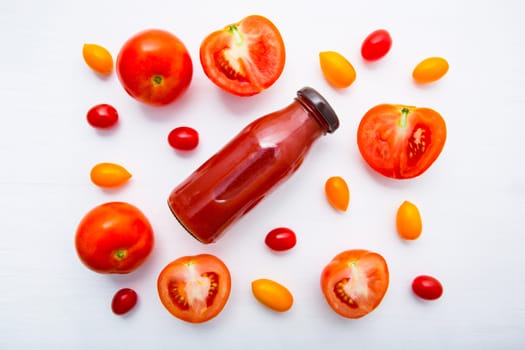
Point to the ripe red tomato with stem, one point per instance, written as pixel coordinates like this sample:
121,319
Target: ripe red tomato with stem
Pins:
401,141
355,282
376,45
114,237
154,67
102,116
194,289
244,58
123,301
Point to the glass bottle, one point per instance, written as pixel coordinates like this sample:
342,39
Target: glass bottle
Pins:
265,153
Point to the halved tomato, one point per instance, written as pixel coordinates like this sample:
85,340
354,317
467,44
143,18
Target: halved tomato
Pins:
401,141
194,289
244,58
355,282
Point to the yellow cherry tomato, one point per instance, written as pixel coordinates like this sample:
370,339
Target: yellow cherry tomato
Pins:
98,58
272,294
109,175
336,69
430,69
337,192
408,221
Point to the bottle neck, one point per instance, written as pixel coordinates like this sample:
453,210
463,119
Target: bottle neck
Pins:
318,108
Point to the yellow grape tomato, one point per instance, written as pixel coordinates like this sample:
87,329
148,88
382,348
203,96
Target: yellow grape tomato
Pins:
272,295
98,58
337,70
109,175
430,70
337,192
408,221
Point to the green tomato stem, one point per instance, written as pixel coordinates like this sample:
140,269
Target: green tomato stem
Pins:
237,36
120,254
403,121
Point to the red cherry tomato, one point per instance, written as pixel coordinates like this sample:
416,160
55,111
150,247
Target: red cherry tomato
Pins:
194,289
281,238
102,116
183,138
123,301
355,282
114,237
427,287
154,67
401,141
244,58
376,45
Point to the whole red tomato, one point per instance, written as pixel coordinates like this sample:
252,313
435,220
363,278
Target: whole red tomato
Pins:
401,141
154,67
355,282
194,289
114,237
376,45
244,58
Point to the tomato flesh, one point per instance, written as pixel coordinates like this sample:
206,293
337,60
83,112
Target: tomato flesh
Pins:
355,282
244,58
194,289
401,141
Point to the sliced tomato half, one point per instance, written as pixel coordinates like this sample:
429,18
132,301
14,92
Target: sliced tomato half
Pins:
355,282
244,58
194,289
401,141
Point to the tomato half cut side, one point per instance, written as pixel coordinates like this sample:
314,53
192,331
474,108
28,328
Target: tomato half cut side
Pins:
401,141
195,289
355,282
244,58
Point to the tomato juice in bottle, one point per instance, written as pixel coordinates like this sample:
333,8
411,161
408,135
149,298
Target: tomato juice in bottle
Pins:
244,171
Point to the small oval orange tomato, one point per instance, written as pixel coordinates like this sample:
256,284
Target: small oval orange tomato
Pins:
337,70
408,221
272,295
109,175
430,70
337,192
98,58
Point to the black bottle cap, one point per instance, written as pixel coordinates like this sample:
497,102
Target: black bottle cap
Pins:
321,106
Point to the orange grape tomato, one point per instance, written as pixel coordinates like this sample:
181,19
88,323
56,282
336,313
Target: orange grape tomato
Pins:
272,295
408,221
337,192
98,58
337,70
430,69
108,175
